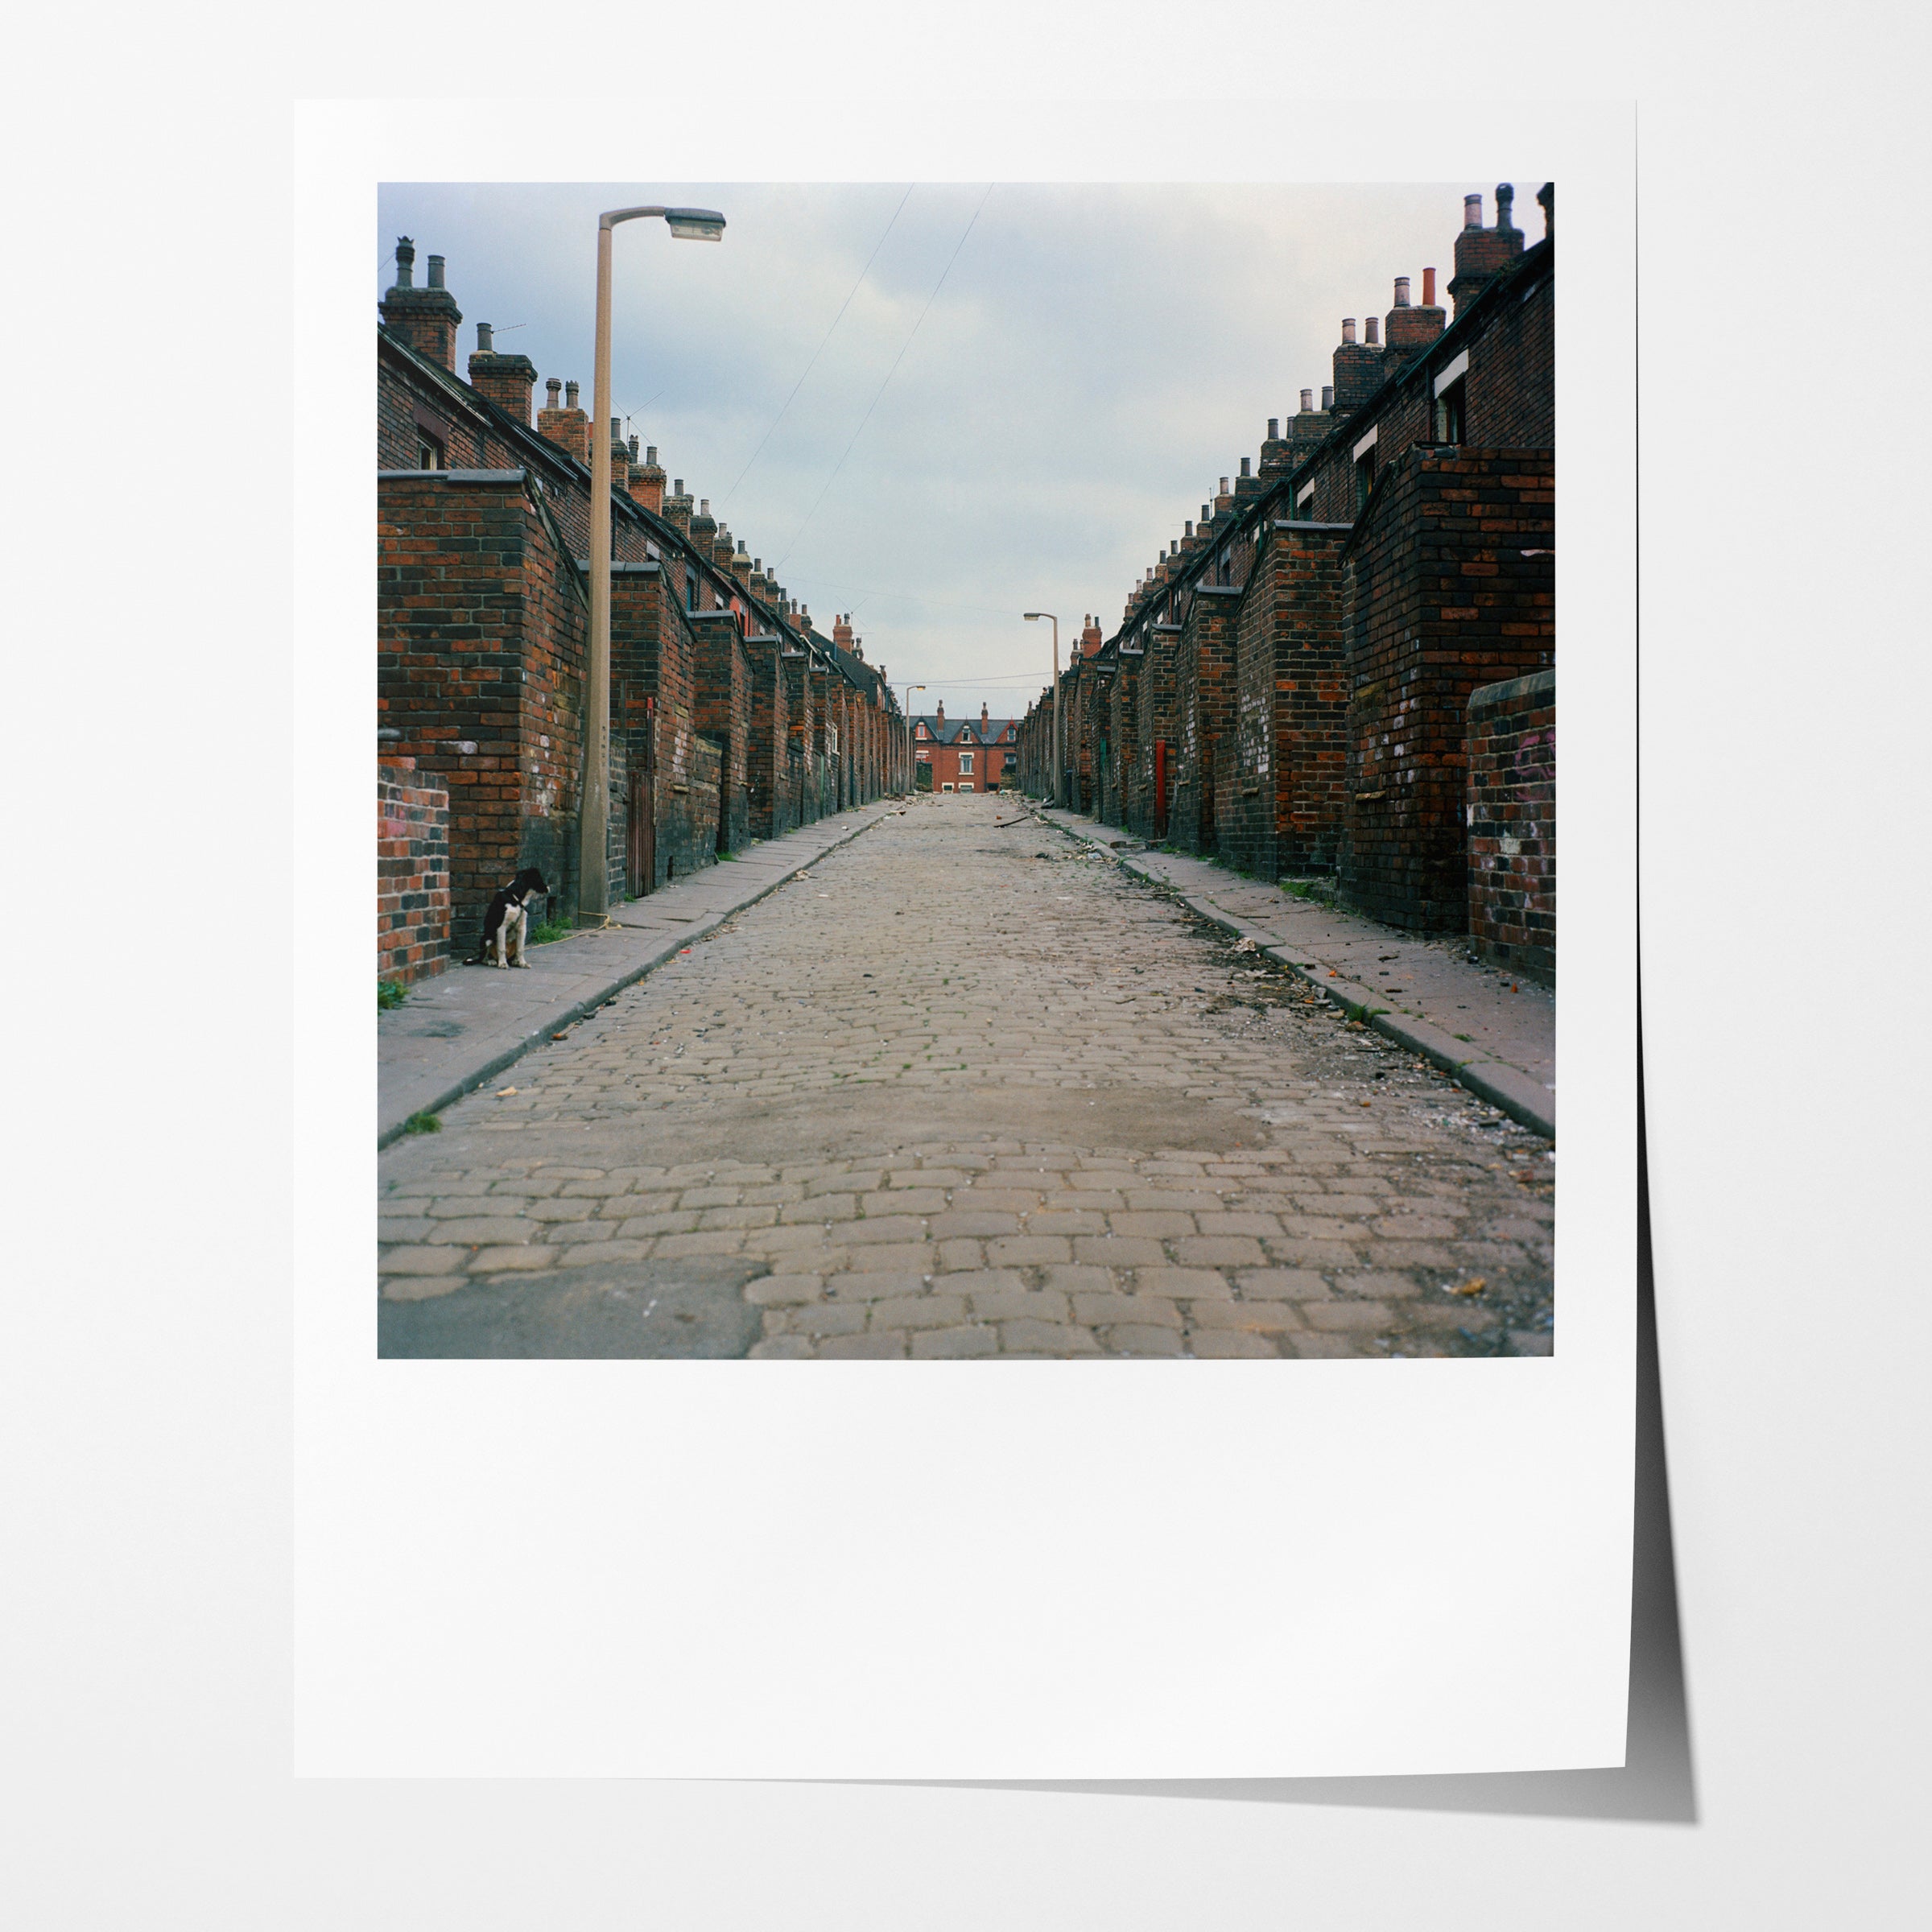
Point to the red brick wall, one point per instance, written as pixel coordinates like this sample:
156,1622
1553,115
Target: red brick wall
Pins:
773,806
1153,725
1203,704
479,650
1289,780
1512,741
412,872
1451,585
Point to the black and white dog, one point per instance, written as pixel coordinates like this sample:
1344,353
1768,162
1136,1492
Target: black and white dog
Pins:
506,924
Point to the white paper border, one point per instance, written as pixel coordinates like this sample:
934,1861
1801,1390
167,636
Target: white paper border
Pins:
957,1569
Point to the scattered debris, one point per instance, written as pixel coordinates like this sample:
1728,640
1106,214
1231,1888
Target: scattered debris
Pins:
1476,1284
503,1093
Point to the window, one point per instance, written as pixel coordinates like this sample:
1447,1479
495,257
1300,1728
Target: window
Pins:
945,788
691,591
965,762
963,787
429,452
1451,417
1365,476
919,731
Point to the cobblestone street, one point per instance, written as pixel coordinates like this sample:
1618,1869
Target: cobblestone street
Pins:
961,1089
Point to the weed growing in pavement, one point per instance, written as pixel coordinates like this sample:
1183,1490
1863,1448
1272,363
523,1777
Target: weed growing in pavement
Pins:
548,933
422,1123
389,996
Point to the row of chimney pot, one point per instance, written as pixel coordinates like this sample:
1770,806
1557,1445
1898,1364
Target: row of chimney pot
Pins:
427,320
1480,254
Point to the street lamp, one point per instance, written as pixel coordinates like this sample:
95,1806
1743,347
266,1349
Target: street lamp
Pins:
593,816
1033,616
906,706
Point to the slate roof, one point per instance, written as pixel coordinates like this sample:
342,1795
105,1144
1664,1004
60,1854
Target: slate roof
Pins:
963,731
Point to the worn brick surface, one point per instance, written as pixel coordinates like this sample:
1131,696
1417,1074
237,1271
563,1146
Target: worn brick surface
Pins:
1101,1132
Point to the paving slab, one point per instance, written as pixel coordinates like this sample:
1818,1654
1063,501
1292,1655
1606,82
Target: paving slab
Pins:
1494,1031
471,1023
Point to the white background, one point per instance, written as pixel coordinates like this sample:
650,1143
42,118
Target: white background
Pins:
943,1573
148,1393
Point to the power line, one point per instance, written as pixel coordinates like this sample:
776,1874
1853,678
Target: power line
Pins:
818,352
889,373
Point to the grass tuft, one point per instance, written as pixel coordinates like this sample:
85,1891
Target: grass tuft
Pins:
389,996
422,1123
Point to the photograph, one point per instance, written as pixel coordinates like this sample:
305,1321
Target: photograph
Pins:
968,772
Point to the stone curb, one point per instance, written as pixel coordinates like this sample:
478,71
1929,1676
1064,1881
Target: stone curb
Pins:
1506,1087
568,1016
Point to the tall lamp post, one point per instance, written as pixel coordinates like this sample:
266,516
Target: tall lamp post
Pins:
593,815
1033,616
905,708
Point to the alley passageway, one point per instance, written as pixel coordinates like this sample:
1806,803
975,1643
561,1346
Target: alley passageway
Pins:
963,1088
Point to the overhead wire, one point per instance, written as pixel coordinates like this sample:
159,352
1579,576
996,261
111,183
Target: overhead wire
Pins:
818,352
889,373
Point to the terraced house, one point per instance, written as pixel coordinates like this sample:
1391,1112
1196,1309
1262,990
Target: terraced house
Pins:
732,718
958,755
1343,670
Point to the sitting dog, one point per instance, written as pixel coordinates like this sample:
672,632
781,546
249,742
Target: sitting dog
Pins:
506,924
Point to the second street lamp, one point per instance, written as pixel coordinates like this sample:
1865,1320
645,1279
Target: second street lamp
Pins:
911,760
1033,616
593,812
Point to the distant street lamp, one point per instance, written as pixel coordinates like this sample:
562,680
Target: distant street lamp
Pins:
1033,616
593,815
905,706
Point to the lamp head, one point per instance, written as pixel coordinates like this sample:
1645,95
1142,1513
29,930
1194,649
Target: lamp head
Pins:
694,223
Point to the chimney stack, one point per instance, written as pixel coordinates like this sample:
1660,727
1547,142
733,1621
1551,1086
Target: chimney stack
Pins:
507,381
620,457
1091,639
704,528
645,480
568,428
1327,397
1410,327
1482,254
1358,368
1546,196
1307,428
1246,484
425,319
1373,332
677,506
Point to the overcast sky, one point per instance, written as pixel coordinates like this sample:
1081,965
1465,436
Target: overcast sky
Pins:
1029,436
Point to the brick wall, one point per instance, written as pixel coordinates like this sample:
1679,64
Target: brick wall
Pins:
1153,722
412,872
1450,583
1289,791
1512,801
480,626
723,711
1203,703
773,806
